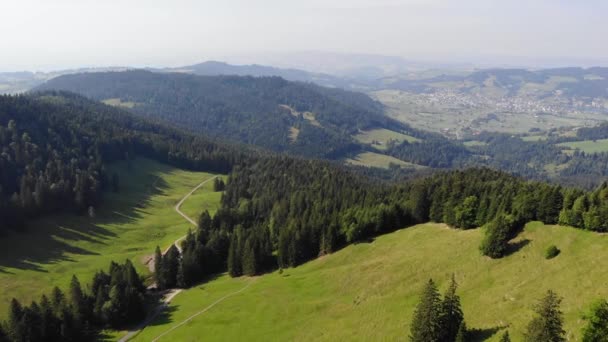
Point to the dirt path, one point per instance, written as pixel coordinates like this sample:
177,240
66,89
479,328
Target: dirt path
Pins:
203,311
150,261
173,292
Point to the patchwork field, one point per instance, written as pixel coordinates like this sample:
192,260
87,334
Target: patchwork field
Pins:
116,102
456,115
372,159
379,138
588,146
368,291
129,224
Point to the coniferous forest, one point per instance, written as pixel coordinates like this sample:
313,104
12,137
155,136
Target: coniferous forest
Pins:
276,211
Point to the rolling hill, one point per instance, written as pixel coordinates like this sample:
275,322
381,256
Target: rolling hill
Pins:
368,291
264,111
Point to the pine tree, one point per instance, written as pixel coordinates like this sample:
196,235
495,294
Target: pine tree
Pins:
15,328
596,329
249,259
547,325
505,337
426,325
171,262
234,257
47,320
159,269
461,336
451,312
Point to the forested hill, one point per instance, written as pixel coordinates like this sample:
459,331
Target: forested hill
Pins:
299,118
54,147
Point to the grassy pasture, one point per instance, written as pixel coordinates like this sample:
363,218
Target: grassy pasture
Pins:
368,291
380,137
128,225
588,146
116,102
372,159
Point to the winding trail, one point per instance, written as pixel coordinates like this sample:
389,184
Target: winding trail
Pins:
169,295
203,311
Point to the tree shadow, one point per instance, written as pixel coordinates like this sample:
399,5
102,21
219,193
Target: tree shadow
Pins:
482,334
52,239
165,316
514,247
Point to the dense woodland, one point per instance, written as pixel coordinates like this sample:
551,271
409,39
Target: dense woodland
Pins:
244,109
114,299
54,148
320,208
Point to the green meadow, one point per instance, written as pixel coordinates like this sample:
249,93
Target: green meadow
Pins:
372,159
380,137
368,291
588,146
128,225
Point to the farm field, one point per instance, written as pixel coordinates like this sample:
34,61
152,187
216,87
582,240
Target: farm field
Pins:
379,138
588,146
368,291
129,224
372,159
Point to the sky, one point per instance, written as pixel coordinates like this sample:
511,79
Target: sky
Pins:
50,35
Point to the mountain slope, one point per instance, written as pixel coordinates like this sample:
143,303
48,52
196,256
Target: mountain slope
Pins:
215,68
368,291
55,147
264,111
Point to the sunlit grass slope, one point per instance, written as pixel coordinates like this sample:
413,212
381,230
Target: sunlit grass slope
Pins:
129,224
368,291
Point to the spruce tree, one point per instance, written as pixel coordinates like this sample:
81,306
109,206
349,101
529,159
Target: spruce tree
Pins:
171,262
451,313
596,329
547,325
15,328
426,325
249,259
77,300
158,268
461,336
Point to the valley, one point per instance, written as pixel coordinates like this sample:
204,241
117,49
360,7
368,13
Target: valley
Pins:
421,171
129,225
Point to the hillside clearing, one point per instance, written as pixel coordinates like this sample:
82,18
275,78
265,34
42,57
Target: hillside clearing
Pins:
368,291
129,225
372,159
379,138
588,146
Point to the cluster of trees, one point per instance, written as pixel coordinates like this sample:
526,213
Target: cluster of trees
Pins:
218,184
282,211
434,151
437,319
244,109
115,299
54,147
586,210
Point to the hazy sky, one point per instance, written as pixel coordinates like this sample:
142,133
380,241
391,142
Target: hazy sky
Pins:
51,34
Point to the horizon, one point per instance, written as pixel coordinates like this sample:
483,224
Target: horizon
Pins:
69,34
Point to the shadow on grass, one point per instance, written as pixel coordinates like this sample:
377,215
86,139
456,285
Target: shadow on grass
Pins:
482,334
514,247
165,316
51,240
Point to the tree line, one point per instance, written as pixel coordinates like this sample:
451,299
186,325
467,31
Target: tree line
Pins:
243,109
442,320
54,148
114,299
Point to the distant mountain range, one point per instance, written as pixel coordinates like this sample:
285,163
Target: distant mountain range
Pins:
390,74
271,112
